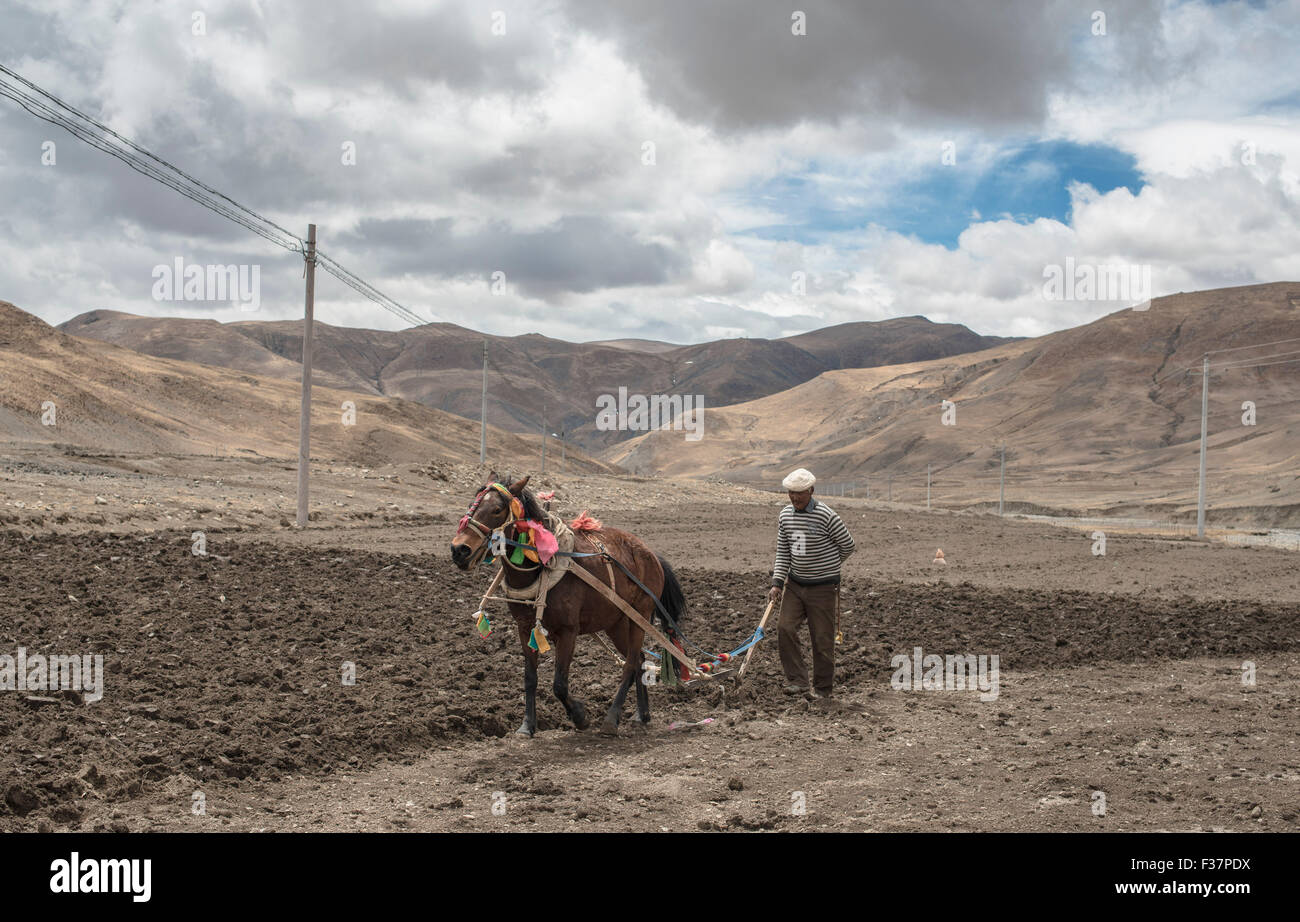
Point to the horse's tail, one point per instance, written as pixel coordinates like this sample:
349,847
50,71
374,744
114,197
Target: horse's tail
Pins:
672,597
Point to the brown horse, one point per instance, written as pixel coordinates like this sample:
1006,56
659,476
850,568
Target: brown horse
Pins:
572,606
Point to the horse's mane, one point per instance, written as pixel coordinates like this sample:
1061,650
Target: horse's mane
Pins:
532,508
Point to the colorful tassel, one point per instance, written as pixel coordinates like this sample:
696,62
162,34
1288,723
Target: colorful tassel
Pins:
585,522
484,624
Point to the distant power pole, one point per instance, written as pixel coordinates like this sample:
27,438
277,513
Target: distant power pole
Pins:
543,438
482,425
562,451
1002,479
889,488
927,488
1205,412
304,414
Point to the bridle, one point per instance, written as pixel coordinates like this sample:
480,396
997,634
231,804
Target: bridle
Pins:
514,513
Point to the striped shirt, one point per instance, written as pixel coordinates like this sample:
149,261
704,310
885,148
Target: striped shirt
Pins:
810,545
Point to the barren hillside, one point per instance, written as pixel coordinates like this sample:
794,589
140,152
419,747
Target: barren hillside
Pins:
109,398
1104,400
440,364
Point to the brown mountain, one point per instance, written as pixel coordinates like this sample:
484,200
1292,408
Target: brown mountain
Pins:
439,364
113,399
1105,403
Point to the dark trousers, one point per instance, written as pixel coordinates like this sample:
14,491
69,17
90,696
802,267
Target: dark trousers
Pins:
817,605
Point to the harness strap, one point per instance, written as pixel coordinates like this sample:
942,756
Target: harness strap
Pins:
659,606
637,619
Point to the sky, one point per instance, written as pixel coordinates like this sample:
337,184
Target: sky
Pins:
679,171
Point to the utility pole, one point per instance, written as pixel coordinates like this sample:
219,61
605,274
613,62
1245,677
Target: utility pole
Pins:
1002,479
889,488
482,417
543,438
562,452
927,488
1205,412
304,414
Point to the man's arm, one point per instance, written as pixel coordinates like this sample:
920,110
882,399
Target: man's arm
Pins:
782,566
840,535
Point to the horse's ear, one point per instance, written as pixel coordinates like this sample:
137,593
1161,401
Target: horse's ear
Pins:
517,487
494,477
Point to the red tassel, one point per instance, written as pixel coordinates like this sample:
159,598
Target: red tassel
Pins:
585,522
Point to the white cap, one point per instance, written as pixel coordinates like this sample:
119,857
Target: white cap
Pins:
798,481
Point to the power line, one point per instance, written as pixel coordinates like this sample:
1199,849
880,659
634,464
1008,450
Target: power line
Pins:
363,287
1259,361
1266,364
1276,342
1247,363
93,132
50,108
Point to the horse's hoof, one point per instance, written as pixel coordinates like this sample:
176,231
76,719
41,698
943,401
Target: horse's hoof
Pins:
608,729
579,717
525,732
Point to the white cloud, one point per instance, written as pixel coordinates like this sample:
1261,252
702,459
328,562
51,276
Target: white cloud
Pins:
549,124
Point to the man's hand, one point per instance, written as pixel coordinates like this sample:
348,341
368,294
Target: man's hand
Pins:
774,594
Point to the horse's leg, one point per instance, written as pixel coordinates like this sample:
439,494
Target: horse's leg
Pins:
643,692
643,695
620,632
565,641
615,713
529,726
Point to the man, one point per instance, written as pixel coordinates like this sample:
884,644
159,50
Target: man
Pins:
811,544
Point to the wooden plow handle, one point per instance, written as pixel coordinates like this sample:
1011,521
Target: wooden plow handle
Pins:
761,624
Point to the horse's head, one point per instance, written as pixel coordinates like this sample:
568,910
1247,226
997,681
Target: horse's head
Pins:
495,506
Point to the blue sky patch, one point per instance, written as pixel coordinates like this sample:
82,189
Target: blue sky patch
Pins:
1025,182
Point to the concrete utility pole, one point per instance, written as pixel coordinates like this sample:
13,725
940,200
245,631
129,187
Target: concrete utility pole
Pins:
927,488
482,416
543,438
1002,479
1205,412
304,414
889,488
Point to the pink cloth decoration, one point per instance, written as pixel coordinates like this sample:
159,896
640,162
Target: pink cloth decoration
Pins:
464,520
543,540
